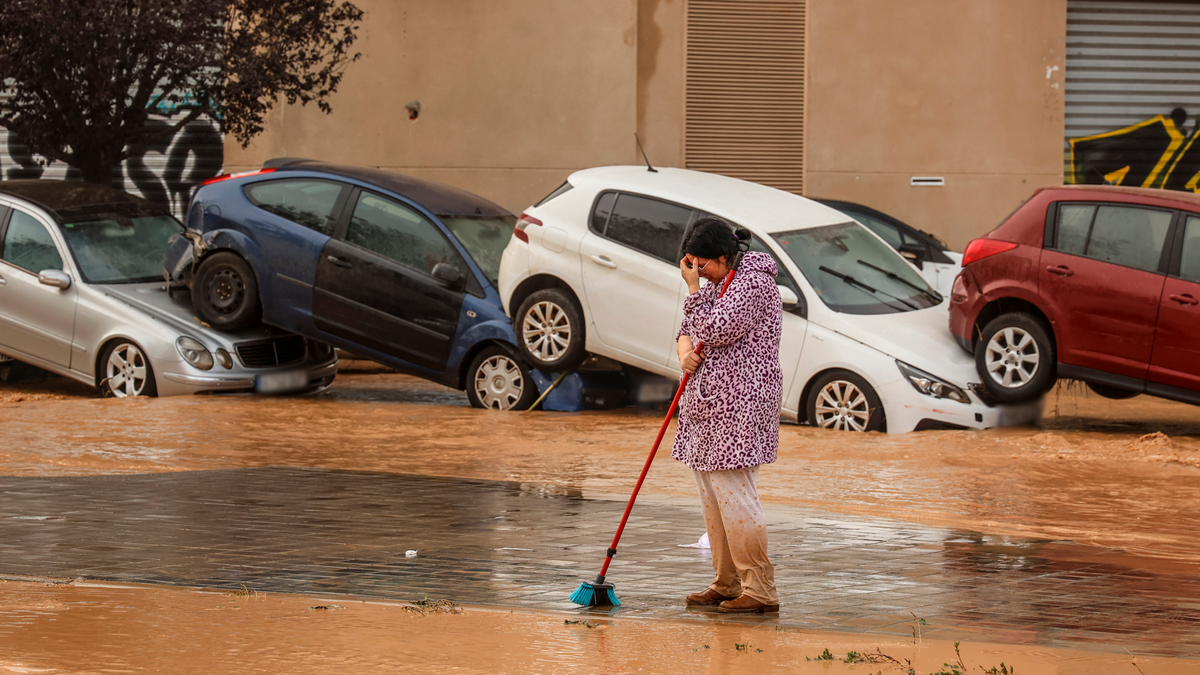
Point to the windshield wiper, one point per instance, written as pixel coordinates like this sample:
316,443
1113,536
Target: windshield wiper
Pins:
855,282
927,292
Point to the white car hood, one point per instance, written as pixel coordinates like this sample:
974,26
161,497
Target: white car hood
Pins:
920,338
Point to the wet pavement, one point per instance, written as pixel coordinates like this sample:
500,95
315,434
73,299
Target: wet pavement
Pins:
527,545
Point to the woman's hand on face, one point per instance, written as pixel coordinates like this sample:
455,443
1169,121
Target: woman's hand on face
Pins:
690,362
691,273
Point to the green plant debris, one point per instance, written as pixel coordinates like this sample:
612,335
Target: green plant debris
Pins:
823,656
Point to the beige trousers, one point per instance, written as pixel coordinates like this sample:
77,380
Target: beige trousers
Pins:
737,533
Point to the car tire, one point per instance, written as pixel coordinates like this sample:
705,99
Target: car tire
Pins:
497,380
126,371
225,292
1114,393
844,401
1015,358
549,327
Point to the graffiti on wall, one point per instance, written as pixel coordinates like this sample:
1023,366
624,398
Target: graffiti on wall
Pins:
1156,153
164,173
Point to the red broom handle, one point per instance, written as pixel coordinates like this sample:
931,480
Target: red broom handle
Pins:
612,550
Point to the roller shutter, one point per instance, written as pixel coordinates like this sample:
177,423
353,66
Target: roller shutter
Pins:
1133,93
745,90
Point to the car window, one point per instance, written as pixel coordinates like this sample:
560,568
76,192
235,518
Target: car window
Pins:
485,239
395,231
28,244
649,225
306,202
782,278
561,189
890,233
1074,221
1189,267
1128,236
118,249
602,211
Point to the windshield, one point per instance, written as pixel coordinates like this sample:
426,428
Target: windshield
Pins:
854,272
119,249
484,238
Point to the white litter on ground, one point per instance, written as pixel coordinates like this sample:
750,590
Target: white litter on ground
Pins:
410,554
703,543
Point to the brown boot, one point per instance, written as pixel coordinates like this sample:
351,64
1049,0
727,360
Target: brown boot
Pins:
745,605
708,597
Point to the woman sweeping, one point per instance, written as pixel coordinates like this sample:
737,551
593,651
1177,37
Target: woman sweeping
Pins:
729,414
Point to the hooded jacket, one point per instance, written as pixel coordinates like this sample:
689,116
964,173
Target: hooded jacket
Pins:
729,413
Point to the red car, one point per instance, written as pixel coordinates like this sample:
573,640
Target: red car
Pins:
1092,283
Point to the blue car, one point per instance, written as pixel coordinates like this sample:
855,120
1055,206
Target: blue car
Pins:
396,269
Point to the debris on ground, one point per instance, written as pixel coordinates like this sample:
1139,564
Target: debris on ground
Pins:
327,607
428,606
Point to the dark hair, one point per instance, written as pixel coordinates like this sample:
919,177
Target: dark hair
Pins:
712,238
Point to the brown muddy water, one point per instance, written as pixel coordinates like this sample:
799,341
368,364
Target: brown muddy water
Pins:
1118,474
112,628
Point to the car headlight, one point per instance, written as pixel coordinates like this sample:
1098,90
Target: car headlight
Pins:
932,386
194,353
224,359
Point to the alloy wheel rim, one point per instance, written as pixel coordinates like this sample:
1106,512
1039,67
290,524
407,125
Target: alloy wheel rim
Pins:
546,330
499,383
126,371
1012,357
841,405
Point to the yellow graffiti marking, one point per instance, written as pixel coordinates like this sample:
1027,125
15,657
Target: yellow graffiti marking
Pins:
1117,176
1176,135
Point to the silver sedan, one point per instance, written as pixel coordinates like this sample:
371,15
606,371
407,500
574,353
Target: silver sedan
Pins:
82,295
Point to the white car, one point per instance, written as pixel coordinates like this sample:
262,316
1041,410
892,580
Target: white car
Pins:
594,268
82,295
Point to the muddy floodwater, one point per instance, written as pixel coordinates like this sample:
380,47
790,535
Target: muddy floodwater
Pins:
111,628
1124,475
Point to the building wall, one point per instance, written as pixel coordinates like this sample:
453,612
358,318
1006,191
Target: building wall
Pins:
971,91
514,94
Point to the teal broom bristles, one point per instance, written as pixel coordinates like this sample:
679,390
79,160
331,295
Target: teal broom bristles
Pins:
598,594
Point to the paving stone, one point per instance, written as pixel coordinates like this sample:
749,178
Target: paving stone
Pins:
515,544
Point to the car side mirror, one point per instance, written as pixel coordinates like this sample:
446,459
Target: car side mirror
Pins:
451,275
914,253
789,298
55,278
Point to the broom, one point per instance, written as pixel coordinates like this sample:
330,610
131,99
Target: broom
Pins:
598,593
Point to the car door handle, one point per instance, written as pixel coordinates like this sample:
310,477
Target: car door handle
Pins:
603,261
1185,299
1060,270
340,262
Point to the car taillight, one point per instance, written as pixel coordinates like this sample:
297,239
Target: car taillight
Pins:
979,249
227,176
523,222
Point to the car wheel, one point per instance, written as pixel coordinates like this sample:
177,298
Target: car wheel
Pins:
549,326
1015,358
1115,393
225,292
844,401
497,380
127,371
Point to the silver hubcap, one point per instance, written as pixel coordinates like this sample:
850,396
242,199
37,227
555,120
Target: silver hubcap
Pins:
1012,358
126,371
498,383
547,331
841,405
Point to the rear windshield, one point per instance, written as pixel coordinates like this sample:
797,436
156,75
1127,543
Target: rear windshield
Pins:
484,238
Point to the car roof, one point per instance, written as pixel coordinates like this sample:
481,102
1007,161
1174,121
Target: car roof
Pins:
745,203
68,199
441,199
1154,195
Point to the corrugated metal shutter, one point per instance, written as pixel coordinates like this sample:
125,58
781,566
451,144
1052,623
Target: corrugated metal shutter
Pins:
164,174
745,90
1132,93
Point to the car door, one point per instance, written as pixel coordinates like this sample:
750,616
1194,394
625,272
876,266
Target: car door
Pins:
375,285
1100,279
1176,359
35,319
630,258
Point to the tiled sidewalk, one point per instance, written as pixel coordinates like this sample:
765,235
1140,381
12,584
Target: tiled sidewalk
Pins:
521,545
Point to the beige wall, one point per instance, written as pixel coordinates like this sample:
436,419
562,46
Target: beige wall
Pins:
966,89
660,83
515,94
